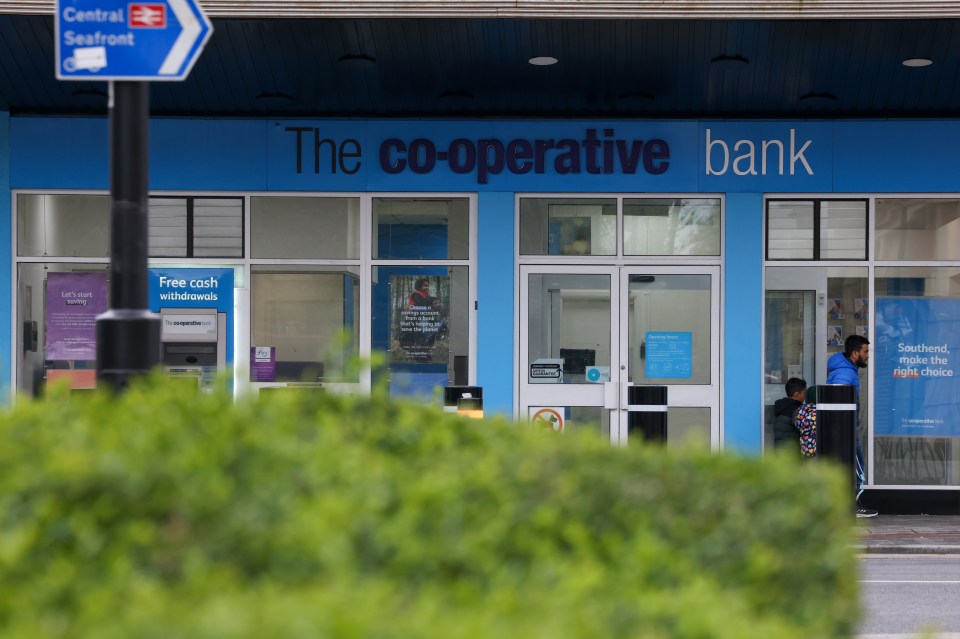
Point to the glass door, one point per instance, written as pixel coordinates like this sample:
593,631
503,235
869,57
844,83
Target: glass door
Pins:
670,336
568,362
587,332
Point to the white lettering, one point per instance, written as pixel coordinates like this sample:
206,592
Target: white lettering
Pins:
709,158
798,155
751,170
763,162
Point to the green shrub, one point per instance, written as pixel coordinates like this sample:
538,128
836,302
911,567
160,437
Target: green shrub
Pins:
165,513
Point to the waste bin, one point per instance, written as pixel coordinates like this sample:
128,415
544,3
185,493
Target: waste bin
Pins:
836,424
466,400
647,412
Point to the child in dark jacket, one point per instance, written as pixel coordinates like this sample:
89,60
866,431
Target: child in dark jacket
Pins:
785,434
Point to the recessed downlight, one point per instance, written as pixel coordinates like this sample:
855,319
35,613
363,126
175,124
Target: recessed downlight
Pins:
729,62
916,63
817,99
357,60
542,60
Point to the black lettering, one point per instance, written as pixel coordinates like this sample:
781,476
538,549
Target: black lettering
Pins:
519,154
629,162
422,156
590,146
469,156
345,154
656,157
569,160
387,163
317,143
608,151
485,165
540,148
300,131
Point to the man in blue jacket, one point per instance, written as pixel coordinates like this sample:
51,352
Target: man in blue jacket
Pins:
844,368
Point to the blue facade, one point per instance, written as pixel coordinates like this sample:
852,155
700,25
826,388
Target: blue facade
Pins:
743,160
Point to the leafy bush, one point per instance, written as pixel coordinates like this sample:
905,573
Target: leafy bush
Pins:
165,513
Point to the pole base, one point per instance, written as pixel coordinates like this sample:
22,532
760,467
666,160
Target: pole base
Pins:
128,346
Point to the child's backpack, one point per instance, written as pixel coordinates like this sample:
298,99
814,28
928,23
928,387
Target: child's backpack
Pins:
805,421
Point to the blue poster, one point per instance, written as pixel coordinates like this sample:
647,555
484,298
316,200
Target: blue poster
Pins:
917,379
669,355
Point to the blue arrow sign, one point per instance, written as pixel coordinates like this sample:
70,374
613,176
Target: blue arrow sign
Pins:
129,40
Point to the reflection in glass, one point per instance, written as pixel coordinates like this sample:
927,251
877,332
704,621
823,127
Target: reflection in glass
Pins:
669,329
688,426
569,320
687,226
843,230
914,356
790,230
421,228
918,229
305,227
63,225
33,336
595,418
421,321
568,226
310,316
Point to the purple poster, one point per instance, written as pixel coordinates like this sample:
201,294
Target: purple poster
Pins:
73,301
263,363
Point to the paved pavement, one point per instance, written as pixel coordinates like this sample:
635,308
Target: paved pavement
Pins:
916,534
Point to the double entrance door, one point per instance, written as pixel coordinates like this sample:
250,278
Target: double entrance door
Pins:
589,332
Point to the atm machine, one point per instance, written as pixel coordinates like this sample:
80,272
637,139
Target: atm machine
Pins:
193,343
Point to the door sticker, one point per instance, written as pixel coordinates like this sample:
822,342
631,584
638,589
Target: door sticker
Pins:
548,418
669,355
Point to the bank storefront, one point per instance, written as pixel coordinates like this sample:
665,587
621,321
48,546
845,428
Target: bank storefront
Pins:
553,263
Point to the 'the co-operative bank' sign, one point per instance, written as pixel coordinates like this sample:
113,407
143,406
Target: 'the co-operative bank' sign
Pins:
654,156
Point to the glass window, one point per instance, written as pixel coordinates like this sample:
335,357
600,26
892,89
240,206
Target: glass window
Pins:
195,227
568,226
669,329
56,341
843,230
421,320
685,226
569,319
918,229
305,227
789,230
63,225
421,228
168,227
914,357
817,230
309,317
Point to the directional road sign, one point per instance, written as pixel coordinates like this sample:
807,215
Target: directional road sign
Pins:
124,40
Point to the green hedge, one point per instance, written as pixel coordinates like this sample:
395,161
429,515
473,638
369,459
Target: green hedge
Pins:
165,513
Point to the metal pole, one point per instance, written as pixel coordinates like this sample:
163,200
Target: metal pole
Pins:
128,335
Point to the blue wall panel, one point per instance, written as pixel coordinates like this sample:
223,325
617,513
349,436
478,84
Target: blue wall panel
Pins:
743,309
883,157
59,153
6,248
497,298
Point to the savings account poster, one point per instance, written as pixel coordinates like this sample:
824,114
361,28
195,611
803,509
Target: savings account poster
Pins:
917,378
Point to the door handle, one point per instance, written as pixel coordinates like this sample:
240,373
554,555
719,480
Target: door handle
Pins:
610,395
